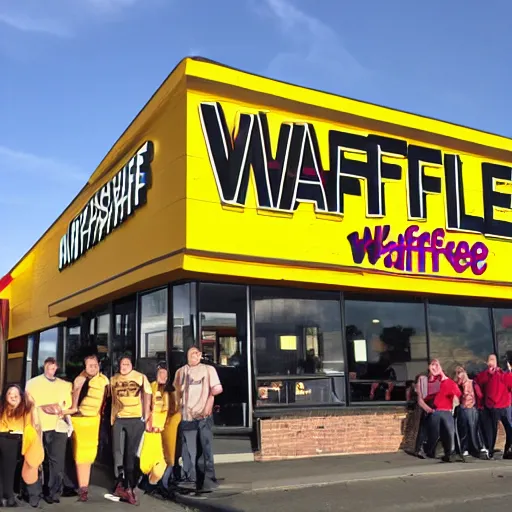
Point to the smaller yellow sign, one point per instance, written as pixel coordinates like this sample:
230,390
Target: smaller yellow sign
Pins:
288,342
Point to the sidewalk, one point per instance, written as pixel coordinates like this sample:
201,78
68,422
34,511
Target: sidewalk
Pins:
254,477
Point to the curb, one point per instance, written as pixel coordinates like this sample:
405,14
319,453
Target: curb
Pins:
215,504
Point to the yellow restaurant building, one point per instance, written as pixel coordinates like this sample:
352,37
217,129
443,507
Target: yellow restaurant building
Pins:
319,249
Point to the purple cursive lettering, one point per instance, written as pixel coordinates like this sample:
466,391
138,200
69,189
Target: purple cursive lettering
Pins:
416,246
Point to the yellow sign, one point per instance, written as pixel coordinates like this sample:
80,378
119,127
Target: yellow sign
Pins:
301,390
306,190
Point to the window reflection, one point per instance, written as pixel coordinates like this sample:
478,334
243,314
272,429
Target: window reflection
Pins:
184,312
153,331
503,325
48,346
153,324
460,335
297,332
387,348
29,359
123,338
73,350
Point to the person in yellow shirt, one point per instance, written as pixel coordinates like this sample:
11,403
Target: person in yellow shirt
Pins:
19,424
51,396
131,403
90,390
159,446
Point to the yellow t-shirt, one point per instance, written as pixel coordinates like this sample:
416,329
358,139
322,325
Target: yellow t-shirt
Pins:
46,392
127,394
9,424
159,406
92,402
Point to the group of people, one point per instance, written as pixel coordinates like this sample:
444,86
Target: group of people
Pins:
464,413
152,425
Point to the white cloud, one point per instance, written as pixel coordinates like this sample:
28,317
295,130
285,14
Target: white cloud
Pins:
27,24
315,54
21,163
59,18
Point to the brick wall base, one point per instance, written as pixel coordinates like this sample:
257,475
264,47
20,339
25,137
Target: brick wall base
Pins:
347,432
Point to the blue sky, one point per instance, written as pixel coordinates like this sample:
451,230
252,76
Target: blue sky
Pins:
75,73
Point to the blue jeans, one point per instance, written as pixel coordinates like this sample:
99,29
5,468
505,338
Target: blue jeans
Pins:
441,425
467,425
197,452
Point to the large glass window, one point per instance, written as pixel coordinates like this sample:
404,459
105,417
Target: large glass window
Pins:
460,335
387,348
184,305
95,333
223,340
153,324
123,335
153,331
29,357
298,333
73,350
503,326
48,347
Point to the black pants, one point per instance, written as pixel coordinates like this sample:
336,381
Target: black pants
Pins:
467,425
126,437
55,444
494,416
10,450
197,452
441,425
421,438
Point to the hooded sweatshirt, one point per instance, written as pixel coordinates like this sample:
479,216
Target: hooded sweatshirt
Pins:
496,387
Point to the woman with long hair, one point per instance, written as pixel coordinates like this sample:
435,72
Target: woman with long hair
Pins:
19,433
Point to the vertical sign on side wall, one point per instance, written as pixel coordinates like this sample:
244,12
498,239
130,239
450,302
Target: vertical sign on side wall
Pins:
114,203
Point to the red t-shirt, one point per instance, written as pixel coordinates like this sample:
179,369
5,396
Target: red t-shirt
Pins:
496,387
444,398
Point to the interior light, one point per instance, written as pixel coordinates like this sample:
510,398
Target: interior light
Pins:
376,321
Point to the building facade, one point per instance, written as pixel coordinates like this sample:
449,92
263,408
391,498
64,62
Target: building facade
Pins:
318,249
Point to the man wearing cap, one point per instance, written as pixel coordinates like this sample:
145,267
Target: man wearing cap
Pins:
51,396
196,386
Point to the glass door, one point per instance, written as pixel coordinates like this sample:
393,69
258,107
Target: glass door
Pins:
224,343
123,332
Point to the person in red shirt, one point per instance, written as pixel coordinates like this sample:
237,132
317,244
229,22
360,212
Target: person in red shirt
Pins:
441,423
496,386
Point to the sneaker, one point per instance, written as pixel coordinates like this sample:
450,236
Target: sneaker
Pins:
132,497
421,454
83,494
11,502
465,453
119,491
449,458
188,485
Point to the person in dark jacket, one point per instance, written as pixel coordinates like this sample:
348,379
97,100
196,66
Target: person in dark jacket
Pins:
496,386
